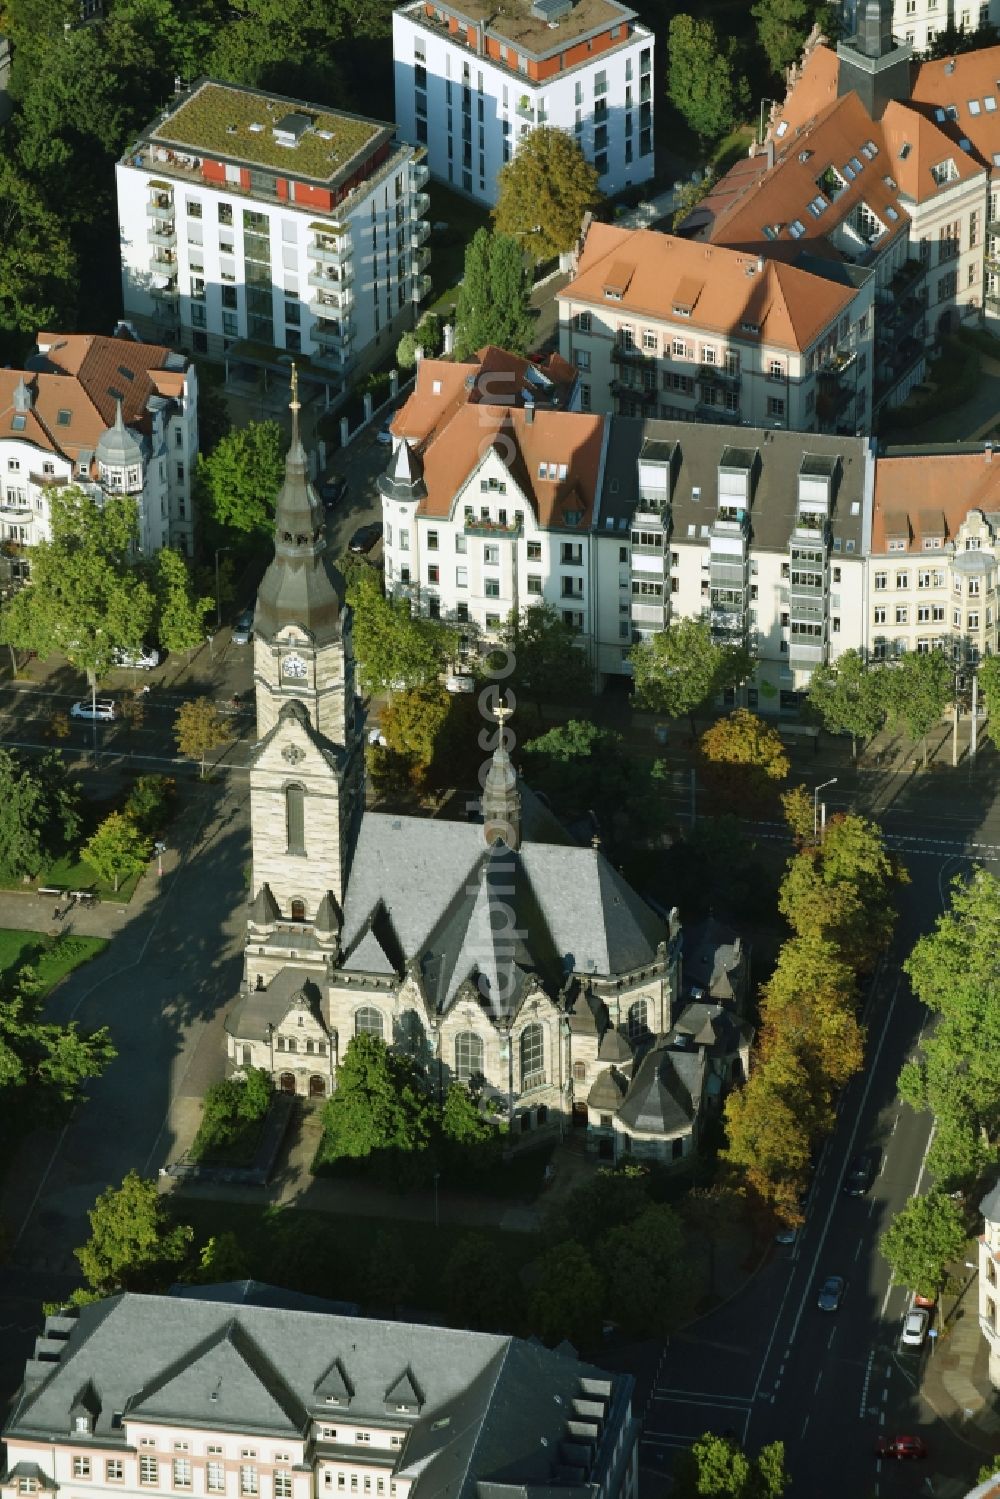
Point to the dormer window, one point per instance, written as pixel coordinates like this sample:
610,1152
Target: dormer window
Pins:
945,171
82,1425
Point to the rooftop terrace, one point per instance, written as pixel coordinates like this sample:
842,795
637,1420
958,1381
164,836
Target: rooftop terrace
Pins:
516,21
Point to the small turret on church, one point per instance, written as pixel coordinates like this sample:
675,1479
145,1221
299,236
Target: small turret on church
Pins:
501,801
874,63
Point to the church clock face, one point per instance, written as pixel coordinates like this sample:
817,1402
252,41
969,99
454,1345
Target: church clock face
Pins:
293,668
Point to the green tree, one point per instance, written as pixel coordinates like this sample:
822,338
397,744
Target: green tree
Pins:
613,1194
578,766
716,1466
181,617
117,850
680,669
199,728
771,1125
989,692
480,1287
742,760
134,1244
704,79
689,196
406,351
922,1240
86,598
38,274
412,725
429,335
808,1006
150,802
463,1122
238,482
849,697
39,812
396,650
843,890
919,688
568,1297
652,1285
952,40
544,191
43,1065
391,1278
493,299
782,28
379,1107
222,1259
548,664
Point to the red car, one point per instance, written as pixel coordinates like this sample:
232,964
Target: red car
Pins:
901,1447
925,1301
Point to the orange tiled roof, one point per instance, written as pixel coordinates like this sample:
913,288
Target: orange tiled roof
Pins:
915,146
772,213
492,377
962,96
791,307
913,494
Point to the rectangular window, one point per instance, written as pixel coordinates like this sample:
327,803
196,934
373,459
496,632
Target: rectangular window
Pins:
215,1478
282,1486
534,583
902,580
432,541
248,1479
491,590
491,557
81,1467
182,1473
149,1470
461,577
433,573
114,1470
881,580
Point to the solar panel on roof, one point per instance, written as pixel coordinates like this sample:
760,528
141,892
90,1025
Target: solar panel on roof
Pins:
18,421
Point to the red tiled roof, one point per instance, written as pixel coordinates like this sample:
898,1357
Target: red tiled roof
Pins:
915,494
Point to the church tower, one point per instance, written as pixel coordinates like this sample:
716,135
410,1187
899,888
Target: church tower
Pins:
306,780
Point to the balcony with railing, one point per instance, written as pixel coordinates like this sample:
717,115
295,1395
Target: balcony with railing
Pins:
332,250
419,175
718,374
165,294
622,389
420,233
421,288
631,354
161,208
419,261
649,614
163,265
704,412
332,335
163,236
477,525
331,304
419,205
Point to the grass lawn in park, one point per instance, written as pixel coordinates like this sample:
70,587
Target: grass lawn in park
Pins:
51,957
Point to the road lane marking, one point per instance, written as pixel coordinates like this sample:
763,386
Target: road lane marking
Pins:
720,1402
857,1251
709,1395
864,1387
829,1341
819,1380
805,1424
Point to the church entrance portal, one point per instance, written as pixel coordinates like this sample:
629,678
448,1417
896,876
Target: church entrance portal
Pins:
287,1082
317,1087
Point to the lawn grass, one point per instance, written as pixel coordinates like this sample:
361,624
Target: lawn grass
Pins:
71,872
330,1254
207,1149
51,957
463,218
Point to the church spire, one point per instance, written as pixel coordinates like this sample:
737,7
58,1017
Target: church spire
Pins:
301,586
501,802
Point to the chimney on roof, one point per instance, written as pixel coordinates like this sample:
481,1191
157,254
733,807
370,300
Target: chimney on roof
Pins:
988,452
949,66
529,411
760,262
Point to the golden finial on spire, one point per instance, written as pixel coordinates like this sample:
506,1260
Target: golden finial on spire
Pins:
501,713
294,403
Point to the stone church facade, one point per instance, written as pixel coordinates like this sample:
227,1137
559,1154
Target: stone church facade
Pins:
497,952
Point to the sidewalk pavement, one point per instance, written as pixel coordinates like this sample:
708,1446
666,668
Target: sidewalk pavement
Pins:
955,1381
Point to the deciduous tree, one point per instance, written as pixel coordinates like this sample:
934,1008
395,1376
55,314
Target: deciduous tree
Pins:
568,1297
742,760
38,272
919,688
117,849
704,79
652,1284
412,725
548,664
680,669
717,1466
989,692
135,1244
850,697
221,1259
493,299
181,615
238,481
771,1123
921,1242
396,650
808,1007
544,192
480,1287
379,1106
843,890
199,728
782,28
39,812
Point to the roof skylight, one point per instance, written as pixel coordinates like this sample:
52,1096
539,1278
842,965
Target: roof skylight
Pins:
989,104
975,107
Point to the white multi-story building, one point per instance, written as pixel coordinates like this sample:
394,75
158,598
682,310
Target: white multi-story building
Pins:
245,1390
473,78
919,22
662,326
255,227
104,414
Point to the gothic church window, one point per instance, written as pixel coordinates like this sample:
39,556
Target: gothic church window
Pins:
295,819
368,1022
532,1057
468,1055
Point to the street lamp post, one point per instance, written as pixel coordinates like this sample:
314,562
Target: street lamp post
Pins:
218,594
821,787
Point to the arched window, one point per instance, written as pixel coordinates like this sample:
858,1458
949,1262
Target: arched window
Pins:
367,1022
532,1057
637,1023
295,829
468,1056
298,910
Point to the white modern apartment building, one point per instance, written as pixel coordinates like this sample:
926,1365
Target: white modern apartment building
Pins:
110,415
934,558
472,79
761,532
255,227
246,1390
661,326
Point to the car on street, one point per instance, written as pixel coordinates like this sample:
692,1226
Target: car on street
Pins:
915,1328
831,1293
144,659
786,1235
860,1175
103,710
243,628
930,1302
332,492
366,538
901,1447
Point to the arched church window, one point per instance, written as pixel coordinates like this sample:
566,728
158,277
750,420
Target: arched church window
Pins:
468,1056
368,1022
295,820
637,1021
532,1057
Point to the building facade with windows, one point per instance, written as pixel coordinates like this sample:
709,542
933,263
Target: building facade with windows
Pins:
254,227
472,80
212,1394
989,1275
107,415
656,325
919,22
763,533
935,555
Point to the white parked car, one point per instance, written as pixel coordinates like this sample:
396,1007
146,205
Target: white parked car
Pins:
104,708
915,1328
460,684
141,660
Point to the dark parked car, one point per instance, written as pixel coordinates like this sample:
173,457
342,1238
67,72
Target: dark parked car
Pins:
366,538
860,1175
831,1293
901,1447
332,492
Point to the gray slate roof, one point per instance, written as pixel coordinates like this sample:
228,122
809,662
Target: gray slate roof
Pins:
699,451
254,1012
259,1293
666,1091
492,1409
990,1205
712,951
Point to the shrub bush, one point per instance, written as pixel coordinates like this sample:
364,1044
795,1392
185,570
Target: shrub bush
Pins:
150,803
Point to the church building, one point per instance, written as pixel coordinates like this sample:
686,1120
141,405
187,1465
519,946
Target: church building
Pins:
497,952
